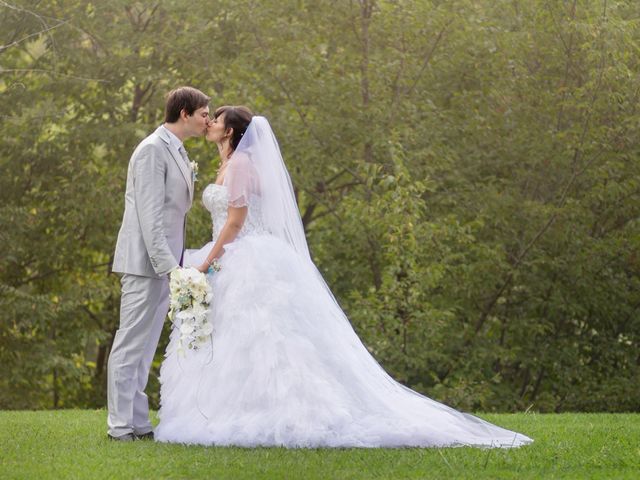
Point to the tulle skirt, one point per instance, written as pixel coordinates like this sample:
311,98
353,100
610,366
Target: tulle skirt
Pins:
285,368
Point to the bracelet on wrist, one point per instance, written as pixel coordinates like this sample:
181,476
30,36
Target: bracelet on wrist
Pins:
214,266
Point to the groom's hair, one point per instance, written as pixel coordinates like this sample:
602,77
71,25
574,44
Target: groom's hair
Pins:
188,99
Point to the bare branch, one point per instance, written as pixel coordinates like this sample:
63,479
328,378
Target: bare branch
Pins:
27,37
576,173
42,19
428,57
52,72
44,275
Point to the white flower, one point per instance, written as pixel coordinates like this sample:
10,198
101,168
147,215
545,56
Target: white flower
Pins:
186,328
201,341
185,316
199,310
207,328
194,170
189,301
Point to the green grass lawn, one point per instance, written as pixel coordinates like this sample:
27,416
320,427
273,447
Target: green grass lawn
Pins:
73,444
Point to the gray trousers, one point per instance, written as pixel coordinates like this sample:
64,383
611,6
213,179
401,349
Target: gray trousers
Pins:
143,308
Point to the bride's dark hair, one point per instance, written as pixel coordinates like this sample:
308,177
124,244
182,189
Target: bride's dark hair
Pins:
236,117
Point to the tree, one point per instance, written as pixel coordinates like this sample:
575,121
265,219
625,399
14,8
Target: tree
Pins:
466,173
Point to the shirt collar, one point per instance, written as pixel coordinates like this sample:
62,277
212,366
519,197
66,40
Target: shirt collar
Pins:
173,139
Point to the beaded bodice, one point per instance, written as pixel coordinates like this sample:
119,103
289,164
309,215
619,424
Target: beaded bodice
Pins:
215,199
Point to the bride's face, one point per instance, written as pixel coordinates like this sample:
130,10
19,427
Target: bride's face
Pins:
215,130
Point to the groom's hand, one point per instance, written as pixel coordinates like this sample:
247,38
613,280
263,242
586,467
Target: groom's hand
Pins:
171,271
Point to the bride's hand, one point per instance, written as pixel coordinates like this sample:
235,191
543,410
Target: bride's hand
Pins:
203,268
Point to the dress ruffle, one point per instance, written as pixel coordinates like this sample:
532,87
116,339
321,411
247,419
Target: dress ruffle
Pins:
285,368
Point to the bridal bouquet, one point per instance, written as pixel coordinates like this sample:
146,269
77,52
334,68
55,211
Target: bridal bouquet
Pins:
188,308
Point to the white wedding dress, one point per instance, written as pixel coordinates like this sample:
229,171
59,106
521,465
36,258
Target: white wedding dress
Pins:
285,367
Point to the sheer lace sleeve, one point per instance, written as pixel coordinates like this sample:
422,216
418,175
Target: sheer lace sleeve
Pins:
241,181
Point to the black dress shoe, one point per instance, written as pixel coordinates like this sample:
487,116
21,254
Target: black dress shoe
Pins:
127,437
144,436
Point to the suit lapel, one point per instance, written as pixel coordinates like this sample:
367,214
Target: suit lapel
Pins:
186,171
184,168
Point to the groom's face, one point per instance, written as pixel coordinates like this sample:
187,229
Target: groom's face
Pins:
196,124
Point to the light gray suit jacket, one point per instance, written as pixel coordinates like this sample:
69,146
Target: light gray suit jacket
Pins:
158,196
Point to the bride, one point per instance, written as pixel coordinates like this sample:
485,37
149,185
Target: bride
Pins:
284,366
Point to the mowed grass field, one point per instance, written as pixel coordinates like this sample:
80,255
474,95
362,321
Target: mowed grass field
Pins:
73,444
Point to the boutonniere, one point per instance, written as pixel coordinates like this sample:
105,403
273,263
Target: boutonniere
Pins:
194,170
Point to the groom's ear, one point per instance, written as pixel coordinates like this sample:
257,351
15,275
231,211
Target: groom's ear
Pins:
183,114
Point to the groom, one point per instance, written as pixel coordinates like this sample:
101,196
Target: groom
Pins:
150,244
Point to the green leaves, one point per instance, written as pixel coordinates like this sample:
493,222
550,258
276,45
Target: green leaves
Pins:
467,174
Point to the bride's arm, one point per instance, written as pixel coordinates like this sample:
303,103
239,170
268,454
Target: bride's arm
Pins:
229,232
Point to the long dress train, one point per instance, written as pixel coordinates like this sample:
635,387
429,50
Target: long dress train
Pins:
285,367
